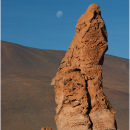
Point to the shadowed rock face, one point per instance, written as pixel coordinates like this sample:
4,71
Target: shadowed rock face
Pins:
81,103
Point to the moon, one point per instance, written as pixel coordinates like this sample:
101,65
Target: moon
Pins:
59,14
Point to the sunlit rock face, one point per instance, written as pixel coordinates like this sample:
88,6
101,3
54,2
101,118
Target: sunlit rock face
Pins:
81,103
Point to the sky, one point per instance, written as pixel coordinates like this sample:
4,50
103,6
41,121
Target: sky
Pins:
50,24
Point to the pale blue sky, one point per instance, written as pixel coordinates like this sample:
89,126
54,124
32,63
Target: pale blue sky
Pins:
34,23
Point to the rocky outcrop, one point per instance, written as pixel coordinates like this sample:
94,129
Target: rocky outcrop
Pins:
81,103
46,128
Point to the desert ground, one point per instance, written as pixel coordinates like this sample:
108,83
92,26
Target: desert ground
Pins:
28,99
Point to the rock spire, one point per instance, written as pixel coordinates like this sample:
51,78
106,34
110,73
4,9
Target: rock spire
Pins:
81,103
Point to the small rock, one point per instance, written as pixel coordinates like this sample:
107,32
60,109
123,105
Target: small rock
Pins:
46,128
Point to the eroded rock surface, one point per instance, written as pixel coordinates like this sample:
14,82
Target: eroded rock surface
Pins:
81,103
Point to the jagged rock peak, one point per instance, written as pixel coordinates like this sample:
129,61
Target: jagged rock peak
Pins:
91,13
81,103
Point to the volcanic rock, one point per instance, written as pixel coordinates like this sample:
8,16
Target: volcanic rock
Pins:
81,103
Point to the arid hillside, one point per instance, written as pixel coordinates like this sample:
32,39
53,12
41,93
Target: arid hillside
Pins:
28,99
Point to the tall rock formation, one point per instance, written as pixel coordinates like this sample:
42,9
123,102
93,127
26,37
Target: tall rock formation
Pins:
81,103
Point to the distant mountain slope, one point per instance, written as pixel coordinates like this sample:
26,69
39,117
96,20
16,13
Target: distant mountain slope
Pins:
16,58
27,97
